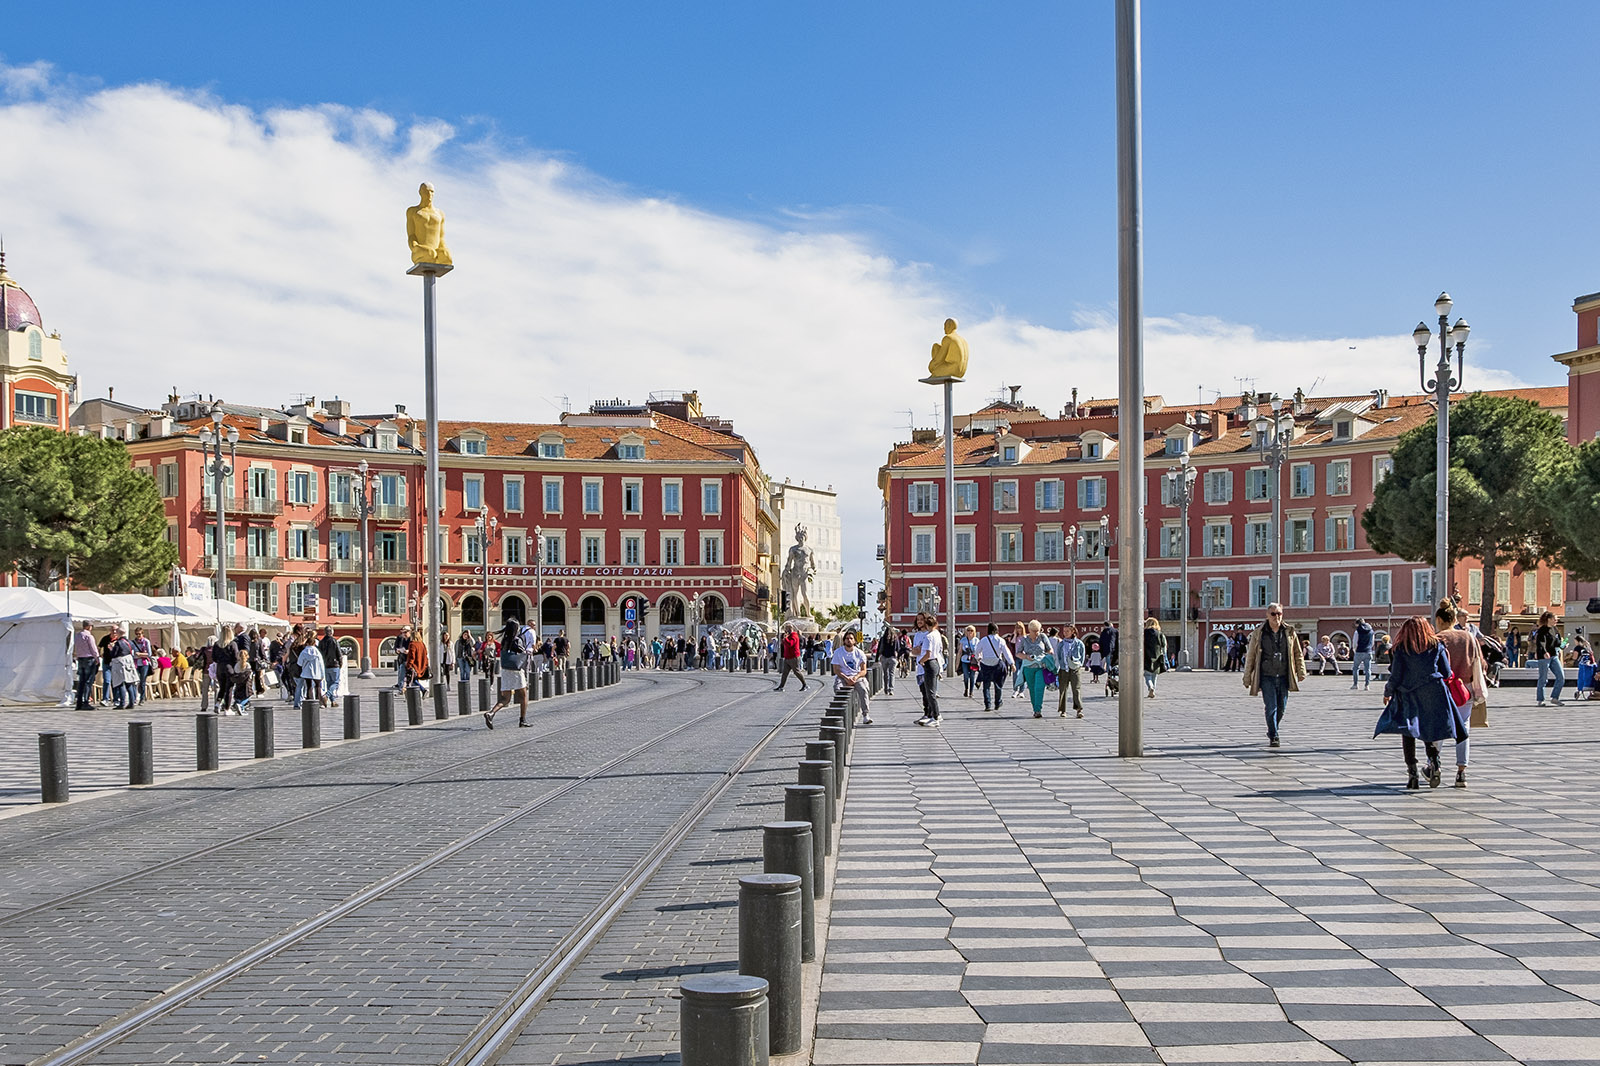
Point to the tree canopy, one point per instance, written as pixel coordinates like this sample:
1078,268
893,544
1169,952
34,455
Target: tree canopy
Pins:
68,496
1572,497
1503,452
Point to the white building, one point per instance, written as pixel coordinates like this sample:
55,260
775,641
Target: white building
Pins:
817,510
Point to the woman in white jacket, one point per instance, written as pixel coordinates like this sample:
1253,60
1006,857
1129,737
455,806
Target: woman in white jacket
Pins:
311,673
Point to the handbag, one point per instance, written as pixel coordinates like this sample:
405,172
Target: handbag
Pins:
1458,691
269,676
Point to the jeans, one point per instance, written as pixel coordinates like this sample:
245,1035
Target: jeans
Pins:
888,676
1361,668
144,674
85,687
999,686
930,690
1550,668
1150,681
106,691
308,687
1066,680
858,700
335,674
790,666
1274,694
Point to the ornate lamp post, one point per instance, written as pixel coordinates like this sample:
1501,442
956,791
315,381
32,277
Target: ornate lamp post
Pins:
486,525
1072,571
1105,552
366,497
1272,442
211,442
1442,385
1183,479
538,581
1208,599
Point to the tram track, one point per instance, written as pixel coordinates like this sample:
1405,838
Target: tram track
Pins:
103,886
488,1039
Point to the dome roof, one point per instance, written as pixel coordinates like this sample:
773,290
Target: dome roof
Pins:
19,307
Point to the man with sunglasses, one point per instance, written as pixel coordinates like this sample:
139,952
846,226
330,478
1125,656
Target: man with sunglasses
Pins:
1274,666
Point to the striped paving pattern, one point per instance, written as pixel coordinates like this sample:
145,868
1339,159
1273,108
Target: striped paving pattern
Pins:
1009,891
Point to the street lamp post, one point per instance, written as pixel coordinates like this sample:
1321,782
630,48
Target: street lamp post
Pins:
1272,442
366,495
1105,552
1184,477
1444,382
211,442
486,525
538,579
1072,571
1208,600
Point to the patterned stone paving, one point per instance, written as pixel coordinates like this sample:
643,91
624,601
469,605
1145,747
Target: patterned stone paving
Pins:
1012,892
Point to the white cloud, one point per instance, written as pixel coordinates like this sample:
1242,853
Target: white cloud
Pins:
176,239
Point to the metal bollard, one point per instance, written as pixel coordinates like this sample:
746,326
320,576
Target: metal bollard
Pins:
769,947
205,741
581,675
533,684
485,695
572,680
463,696
820,772
786,849
560,681
836,721
809,803
836,735
311,724
53,766
352,717
266,742
827,749
441,701
413,706
723,1020
386,710
544,684
141,753
766,664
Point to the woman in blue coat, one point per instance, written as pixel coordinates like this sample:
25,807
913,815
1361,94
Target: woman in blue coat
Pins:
1416,703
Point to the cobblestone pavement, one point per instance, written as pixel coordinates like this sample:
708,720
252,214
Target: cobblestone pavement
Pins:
111,901
1012,891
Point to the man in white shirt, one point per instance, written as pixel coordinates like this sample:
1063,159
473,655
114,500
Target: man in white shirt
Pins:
850,675
1070,654
994,659
927,648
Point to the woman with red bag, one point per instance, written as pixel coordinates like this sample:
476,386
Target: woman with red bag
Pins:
1466,665
1416,702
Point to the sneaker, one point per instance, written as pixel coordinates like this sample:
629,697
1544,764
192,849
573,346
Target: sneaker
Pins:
1272,742
1541,703
1433,775
1461,777
924,720
866,721
937,722
1038,714
1063,713
1555,702
1080,714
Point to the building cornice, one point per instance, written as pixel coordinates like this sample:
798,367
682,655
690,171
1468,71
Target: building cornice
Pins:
1580,361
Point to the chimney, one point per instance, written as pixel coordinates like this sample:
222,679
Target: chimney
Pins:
1014,390
111,391
263,423
399,409
1381,396
334,427
1074,404
337,408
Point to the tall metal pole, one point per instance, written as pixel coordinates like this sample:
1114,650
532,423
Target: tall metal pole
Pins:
1130,378
1072,571
1278,455
950,521
364,502
1441,521
538,582
430,495
1183,566
483,558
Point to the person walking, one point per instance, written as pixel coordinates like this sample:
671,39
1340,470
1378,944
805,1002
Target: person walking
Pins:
930,655
1544,651
1466,664
969,660
225,658
417,662
513,676
333,664
1361,656
1416,701
1070,657
313,672
888,652
1155,654
1274,666
994,661
789,662
850,676
87,655
1036,656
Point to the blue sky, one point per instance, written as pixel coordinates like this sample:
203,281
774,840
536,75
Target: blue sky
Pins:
1314,173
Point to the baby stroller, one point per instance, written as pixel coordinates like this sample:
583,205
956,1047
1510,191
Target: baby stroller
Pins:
1111,679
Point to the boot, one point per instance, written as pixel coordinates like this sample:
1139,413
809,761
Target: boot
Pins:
1461,777
1411,777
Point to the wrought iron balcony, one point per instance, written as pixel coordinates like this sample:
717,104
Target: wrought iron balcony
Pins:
390,512
244,505
389,566
344,566
347,509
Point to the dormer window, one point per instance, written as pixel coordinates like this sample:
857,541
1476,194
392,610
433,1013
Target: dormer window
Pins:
553,447
473,447
630,451
1174,446
35,346
297,436
1341,429
388,441
1091,450
1008,454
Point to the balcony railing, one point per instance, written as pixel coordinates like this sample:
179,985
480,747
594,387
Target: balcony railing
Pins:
31,416
245,505
391,566
344,566
390,512
1171,614
263,564
344,510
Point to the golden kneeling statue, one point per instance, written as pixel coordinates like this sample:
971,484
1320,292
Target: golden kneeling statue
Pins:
950,354
425,230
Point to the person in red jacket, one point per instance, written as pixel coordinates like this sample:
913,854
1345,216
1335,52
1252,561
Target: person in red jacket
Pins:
789,653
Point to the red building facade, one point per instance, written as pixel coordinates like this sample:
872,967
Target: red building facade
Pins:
1036,503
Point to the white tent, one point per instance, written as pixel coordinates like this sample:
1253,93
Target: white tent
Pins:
35,643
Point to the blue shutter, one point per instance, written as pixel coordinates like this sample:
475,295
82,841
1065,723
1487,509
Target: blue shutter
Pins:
1082,493
933,495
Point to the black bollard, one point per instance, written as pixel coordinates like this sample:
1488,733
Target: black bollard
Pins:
809,803
827,749
413,706
386,710
205,741
834,720
580,676
835,734
533,684
766,664
544,684
820,772
560,681
769,947
53,766
485,695
441,701
266,743
311,724
572,680
723,1020
141,753
464,696
352,717
786,849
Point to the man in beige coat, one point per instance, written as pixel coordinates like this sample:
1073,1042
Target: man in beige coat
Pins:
1274,666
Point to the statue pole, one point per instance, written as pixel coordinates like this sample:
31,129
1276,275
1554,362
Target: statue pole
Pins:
1130,383
950,523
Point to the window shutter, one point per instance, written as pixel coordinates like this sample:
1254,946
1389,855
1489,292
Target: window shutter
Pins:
400,491
1038,545
1227,539
933,495
1328,477
1227,486
1038,495
314,552
1327,540
1083,499
273,598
